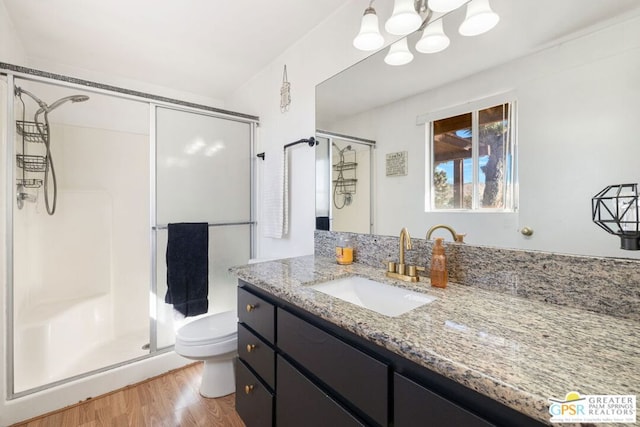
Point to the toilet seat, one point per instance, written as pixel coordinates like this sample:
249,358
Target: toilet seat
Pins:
212,338
210,329
208,336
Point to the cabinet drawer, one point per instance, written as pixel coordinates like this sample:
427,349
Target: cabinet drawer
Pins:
356,376
301,403
257,354
256,313
254,402
413,402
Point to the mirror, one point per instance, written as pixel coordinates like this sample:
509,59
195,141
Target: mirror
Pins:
573,75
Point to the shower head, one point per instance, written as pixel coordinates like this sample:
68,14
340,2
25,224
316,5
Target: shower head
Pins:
347,148
72,98
59,102
44,108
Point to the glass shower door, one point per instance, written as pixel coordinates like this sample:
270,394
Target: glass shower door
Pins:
203,174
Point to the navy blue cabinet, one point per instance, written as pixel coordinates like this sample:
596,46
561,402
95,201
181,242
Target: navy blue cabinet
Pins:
417,405
349,374
255,370
297,369
302,403
254,400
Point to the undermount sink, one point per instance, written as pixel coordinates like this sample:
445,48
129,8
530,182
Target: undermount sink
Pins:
385,299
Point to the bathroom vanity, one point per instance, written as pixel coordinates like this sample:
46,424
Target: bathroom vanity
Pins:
470,358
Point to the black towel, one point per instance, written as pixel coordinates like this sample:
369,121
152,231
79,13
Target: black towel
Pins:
188,268
322,223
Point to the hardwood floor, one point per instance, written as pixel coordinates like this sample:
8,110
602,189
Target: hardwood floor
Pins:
168,400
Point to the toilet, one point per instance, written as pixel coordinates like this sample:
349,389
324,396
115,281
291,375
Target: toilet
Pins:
212,338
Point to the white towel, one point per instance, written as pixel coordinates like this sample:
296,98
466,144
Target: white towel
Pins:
285,192
276,196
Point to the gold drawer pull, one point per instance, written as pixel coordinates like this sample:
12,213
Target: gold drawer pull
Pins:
248,389
250,347
251,307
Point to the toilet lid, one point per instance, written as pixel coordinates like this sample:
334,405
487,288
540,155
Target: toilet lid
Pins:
209,329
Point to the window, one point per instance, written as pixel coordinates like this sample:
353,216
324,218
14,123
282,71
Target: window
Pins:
472,160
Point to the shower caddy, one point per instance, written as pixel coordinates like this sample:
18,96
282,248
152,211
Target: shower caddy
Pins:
33,132
345,183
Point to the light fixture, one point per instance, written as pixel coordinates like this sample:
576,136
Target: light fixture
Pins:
411,15
480,18
399,53
369,37
615,210
404,20
433,38
444,6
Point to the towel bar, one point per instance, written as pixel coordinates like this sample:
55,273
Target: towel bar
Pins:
311,141
217,224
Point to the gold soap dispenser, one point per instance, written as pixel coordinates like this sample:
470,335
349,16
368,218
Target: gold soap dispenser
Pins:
439,277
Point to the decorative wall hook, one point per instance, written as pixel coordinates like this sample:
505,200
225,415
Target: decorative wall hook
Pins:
285,92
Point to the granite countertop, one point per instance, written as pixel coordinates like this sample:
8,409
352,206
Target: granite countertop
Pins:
516,351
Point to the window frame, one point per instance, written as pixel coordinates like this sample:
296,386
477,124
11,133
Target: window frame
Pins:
473,108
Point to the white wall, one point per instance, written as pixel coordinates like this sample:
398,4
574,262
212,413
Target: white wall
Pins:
116,165
323,52
11,50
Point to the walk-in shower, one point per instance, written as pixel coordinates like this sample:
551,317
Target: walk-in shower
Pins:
38,131
86,286
80,277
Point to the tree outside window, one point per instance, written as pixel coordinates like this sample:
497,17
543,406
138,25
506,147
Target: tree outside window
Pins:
472,160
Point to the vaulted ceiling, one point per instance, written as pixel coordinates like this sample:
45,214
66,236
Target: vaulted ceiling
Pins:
208,47
212,47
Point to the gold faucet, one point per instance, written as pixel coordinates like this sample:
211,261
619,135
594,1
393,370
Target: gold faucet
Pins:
399,270
405,241
458,238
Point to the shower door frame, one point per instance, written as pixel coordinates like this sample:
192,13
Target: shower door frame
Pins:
153,218
330,137
153,101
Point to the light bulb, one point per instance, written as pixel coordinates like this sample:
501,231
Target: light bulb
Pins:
433,38
627,211
369,37
404,20
399,53
480,18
